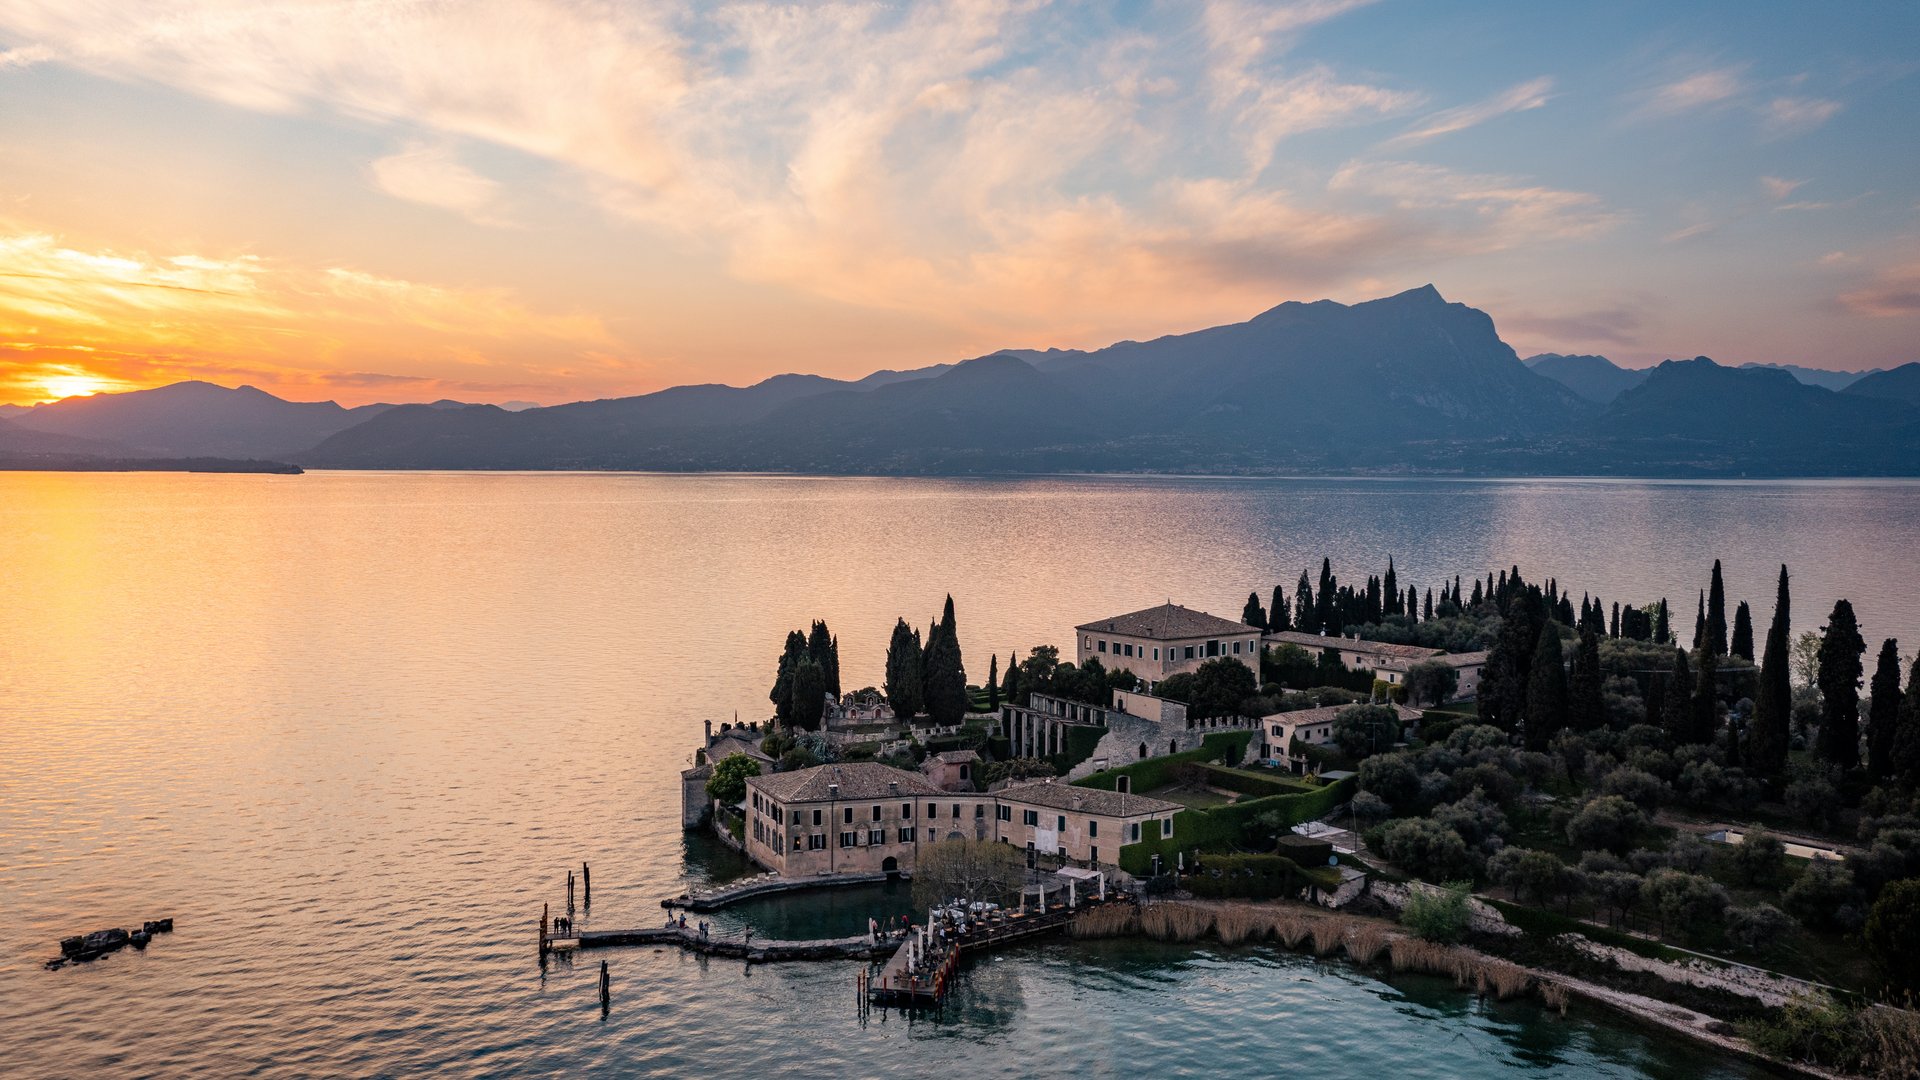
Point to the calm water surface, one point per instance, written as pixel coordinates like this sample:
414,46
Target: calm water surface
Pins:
352,729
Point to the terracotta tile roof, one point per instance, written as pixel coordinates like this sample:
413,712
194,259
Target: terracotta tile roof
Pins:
1326,713
856,780
954,756
1168,622
1063,796
1464,659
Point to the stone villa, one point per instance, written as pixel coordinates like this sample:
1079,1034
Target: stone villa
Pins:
864,817
1166,640
1311,726
1387,660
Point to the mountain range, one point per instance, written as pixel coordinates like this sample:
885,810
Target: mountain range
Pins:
1408,383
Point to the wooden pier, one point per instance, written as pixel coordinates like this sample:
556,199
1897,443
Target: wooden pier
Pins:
921,971
700,900
738,945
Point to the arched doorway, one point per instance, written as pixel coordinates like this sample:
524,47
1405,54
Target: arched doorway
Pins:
1143,750
1172,747
890,865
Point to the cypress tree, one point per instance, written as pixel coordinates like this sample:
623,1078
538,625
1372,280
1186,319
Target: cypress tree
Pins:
1392,588
1429,614
1906,741
1706,701
1614,631
1656,703
809,685
1841,647
1304,609
1279,617
1768,739
1742,643
1478,596
905,684
1700,624
1546,690
1662,629
1586,706
1717,613
1502,698
1679,700
946,674
782,693
1883,713
993,682
1010,689
824,649
1253,614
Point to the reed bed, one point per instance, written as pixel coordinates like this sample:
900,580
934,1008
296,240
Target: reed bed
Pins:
1176,922
1327,935
1291,928
1114,920
1500,979
1366,941
1555,996
1239,923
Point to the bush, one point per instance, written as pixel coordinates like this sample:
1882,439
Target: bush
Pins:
1426,849
1685,903
1758,859
1393,778
1824,897
1758,928
1813,1028
1257,877
728,784
1893,934
1440,915
1608,823
1361,730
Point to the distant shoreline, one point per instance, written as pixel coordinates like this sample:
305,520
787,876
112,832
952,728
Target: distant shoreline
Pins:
180,465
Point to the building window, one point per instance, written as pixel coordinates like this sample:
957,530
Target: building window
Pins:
847,838
979,811
1003,813
1062,827
1236,648
956,811
876,812
1093,827
817,842
1030,817
906,835
1136,832
848,815
876,837
1103,644
1129,651
816,818
1189,653
906,811
932,835
1213,648
1156,652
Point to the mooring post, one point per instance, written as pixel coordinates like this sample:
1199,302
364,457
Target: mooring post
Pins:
543,929
586,886
569,892
606,984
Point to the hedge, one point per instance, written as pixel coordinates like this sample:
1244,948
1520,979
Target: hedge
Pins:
1255,877
1251,783
1157,772
1224,828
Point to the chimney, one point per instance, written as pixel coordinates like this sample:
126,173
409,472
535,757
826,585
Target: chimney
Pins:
833,790
709,725
893,787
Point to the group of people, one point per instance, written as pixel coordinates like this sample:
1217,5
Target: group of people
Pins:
703,927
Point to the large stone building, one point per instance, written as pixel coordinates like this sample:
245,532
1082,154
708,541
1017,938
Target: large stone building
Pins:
1387,660
864,817
1136,726
1165,640
1313,727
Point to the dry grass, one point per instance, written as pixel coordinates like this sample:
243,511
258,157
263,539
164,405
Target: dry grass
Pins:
1366,941
1239,923
1291,928
1113,920
1891,1039
1328,935
1554,995
1176,922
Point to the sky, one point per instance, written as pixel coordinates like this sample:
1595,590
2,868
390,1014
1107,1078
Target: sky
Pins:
504,200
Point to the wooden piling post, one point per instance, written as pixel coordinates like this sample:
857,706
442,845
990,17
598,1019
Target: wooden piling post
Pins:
569,892
586,885
606,984
543,929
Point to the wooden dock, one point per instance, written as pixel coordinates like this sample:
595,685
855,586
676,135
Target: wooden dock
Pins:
737,945
905,983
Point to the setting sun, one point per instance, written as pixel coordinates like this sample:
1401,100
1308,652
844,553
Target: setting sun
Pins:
72,385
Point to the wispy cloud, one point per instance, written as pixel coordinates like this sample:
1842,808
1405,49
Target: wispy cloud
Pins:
1488,212
1778,188
433,176
1702,89
1793,116
24,56
1531,94
1893,293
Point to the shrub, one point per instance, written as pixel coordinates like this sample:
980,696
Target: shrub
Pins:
1257,877
728,784
1392,777
1758,859
1759,927
1823,897
1608,823
1892,933
1441,914
1426,849
1361,730
1685,903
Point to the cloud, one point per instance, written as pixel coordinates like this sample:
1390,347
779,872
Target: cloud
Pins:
25,56
433,176
1527,95
1612,326
1894,292
1697,91
1777,188
1793,116
1487,212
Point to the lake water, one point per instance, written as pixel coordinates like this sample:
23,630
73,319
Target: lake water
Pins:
351,730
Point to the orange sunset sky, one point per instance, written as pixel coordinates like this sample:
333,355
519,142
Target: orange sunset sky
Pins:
504,200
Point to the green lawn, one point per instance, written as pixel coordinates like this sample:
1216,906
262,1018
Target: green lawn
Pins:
1192,798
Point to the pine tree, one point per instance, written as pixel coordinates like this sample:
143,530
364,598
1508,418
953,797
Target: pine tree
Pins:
1906,741
1279,617
1546,691
782,693
1883,713
1742,643
1717,613
905,684
1706,701
1679,699
993,682
1768,739
1586,706
1700,624
1841,647
1253,614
